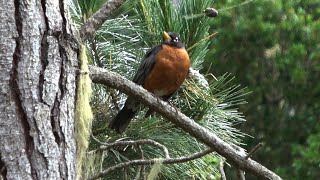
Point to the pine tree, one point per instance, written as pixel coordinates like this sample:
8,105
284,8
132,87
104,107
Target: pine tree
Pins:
119,46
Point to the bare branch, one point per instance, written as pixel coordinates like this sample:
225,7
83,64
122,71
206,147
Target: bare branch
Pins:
103,76
107,146
221,170
258,146
153,161
240,175
142,167
138,174
96,20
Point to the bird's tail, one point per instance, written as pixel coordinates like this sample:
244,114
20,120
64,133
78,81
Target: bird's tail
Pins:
122,120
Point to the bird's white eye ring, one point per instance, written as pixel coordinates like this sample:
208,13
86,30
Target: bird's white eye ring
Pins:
176,39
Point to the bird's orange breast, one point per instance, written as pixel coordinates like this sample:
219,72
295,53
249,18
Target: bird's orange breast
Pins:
169,71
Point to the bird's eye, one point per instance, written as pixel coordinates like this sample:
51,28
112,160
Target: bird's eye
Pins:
176,39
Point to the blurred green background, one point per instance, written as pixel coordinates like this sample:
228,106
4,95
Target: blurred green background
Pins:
273,48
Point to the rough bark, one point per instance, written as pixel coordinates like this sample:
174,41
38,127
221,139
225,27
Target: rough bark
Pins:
202,134
37,92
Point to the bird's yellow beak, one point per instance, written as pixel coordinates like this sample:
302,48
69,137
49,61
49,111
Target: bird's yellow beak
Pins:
166,36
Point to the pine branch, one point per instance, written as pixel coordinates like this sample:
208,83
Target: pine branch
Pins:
153,161
107,146
114,80
96,20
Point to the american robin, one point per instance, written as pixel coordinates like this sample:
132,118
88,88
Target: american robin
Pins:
161,72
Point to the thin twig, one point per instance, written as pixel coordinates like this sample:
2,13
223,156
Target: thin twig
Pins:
97,140
254,150
95,52
240,175
107,146
138,174
237,5
125,173
97,19
143,167
152,161
201,40
221,170
113,95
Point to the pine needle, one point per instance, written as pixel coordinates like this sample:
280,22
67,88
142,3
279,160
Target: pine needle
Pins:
204,39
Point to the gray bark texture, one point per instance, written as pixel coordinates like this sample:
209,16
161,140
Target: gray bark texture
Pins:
37,90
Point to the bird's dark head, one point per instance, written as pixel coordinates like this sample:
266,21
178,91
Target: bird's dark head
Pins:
172,39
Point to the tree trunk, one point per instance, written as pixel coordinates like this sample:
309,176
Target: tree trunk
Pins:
37,90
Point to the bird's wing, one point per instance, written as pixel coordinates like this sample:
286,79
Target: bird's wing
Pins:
146,65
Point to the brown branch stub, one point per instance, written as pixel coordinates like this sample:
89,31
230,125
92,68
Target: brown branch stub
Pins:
97,19
258,146
152,161
103,76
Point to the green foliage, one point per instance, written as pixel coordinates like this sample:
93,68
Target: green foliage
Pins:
86,8
307,161
218,117
272,46
119,45
166,16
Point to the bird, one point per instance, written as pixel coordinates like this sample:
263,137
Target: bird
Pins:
161,72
